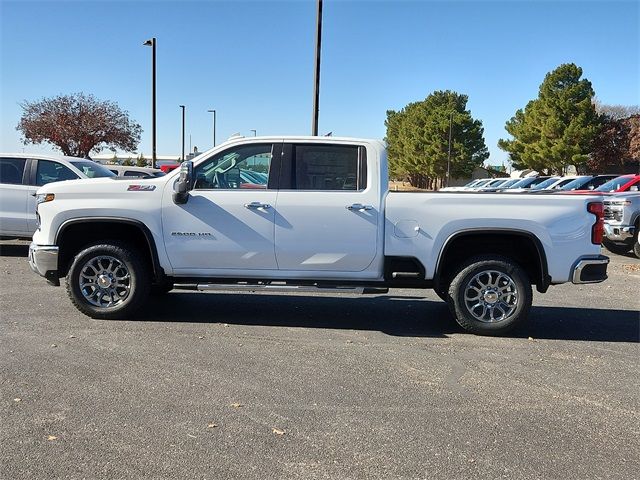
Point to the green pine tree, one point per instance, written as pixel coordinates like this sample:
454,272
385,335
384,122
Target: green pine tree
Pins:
556,129
141,161
418,139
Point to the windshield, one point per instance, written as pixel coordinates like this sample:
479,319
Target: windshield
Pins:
562,183
525,182
92,169
546,183
510,183
481,183
614,184
576,183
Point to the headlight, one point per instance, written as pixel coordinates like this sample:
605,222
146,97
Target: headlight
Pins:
44,197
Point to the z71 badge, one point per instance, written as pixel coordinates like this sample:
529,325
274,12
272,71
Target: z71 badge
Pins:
141,188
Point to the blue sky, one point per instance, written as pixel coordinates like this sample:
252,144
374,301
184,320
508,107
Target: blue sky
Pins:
253,61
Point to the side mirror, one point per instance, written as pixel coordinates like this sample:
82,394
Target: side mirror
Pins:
591,187
184,184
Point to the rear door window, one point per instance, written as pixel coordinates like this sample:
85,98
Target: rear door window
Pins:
12,170
328,167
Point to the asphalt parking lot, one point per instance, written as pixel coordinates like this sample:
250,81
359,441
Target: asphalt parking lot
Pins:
227,386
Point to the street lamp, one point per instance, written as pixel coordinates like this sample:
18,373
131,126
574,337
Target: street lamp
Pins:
214,126
316,85
152,43
255,132
449,154
182,107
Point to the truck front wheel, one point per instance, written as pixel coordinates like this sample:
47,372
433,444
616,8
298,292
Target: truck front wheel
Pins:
490,295
108,280
619,248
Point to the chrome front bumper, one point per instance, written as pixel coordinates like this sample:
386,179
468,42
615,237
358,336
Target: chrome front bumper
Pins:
590,270
619,233
43,260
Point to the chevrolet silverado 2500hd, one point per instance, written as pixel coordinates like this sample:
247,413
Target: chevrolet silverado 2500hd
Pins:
310,213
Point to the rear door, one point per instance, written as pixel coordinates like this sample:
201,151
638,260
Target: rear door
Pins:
13,196
328,211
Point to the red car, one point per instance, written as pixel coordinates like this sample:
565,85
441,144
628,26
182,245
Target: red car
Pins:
168,168
624,183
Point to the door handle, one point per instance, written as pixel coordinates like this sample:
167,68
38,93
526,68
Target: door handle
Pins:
256,205
359,207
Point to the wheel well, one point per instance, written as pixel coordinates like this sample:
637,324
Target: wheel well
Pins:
74,237
523,248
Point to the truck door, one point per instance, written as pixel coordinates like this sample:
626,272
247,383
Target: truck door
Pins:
227,223
13,197
328,209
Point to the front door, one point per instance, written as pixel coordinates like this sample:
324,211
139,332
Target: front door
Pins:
226,226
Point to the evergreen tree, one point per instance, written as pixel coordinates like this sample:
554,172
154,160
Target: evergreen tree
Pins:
558,128
418,139
141,161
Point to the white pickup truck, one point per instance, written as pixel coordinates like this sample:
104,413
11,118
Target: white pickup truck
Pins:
310,214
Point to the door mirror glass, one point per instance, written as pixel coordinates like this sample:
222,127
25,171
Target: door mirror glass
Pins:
184,184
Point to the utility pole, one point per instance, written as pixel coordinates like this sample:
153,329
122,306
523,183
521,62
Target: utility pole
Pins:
214,126
316,88
449,155
182,107
152,43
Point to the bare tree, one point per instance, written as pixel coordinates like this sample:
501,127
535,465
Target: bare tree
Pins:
78,124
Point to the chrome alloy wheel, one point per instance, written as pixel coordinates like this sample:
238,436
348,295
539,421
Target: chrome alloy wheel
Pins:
491,296
105,281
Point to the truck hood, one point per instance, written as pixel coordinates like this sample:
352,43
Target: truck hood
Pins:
104,185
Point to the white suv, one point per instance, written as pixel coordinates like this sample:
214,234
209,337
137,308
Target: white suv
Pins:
22,174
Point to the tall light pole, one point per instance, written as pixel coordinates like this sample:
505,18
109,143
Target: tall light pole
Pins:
152,43
449,155
214,126
255,132
316,86
182,107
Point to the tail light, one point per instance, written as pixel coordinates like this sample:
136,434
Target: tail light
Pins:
597,231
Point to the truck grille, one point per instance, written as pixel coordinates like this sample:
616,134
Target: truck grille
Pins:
612,214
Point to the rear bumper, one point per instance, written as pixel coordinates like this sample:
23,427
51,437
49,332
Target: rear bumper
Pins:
619,233
590,270
43,260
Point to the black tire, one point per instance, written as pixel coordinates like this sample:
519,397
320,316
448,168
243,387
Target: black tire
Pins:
636,245
512,300
125,278
615,247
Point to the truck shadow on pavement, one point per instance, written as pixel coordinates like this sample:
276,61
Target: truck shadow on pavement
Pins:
14,250
396,316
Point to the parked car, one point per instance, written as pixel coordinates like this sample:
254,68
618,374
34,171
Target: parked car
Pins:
622,222
169,167
471,184
22,174
524,184
131,171
587,182
310,229
500,186
622,183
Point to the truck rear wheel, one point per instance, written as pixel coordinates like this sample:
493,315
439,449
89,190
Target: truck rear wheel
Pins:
108,280
490,295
